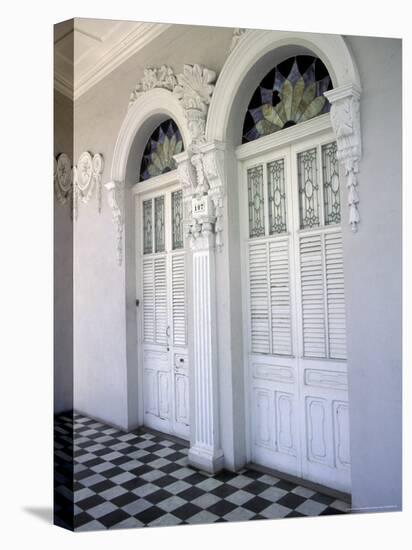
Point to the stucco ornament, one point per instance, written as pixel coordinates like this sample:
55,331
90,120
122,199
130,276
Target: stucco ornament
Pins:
345,118
237,35
87,176
63,178
201,177
154,77
194,90
115,191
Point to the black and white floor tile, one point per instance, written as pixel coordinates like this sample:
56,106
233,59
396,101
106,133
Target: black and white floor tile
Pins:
142,479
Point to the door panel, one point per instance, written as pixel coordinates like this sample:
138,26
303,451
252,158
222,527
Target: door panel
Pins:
296,313
164,319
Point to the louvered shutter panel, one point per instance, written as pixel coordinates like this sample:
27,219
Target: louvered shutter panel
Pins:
178,300
148,301
335,295
280,297
312,295
160,287
259,298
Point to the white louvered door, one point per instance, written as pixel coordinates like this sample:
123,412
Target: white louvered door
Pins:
294,298
163,312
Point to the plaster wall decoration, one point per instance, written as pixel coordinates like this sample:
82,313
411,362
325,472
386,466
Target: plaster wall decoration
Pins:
345,118
63,179
212,156
116,202
188,182
201,177
154,77
87,176
194,90
237,35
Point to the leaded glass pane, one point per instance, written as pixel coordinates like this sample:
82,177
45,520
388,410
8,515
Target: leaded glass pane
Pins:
160,224
177,219
277,196
308,189
331,191
147,227
290,93
164,143
256,201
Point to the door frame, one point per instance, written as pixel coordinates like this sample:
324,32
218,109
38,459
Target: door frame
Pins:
316,131
144,190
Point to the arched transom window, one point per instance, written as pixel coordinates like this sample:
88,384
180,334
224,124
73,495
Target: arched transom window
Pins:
290,93
165,142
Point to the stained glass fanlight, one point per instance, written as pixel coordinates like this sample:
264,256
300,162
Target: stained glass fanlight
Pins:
164,142
290,93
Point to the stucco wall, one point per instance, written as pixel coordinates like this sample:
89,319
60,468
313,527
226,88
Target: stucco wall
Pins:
373,282
63,267
372,262
101,388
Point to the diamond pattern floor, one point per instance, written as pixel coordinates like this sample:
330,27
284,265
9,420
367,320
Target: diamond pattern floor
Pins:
141,479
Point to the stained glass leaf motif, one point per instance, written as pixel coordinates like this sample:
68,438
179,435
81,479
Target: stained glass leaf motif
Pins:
291,93
147,227
177,219
331,191
309,193
165,142
256,201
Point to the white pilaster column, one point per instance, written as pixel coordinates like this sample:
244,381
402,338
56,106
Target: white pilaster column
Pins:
205,453
200,220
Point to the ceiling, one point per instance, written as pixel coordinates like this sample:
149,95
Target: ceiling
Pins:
91,48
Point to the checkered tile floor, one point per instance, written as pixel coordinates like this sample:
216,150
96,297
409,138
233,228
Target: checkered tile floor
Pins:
140,479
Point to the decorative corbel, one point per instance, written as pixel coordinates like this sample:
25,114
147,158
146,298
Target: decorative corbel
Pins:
213,166
87,175
345,118
154,77
187,178
115,191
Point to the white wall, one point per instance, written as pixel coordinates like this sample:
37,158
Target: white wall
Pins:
101,371
373,282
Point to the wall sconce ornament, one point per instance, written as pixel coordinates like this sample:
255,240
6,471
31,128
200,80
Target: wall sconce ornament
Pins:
72,183
87,176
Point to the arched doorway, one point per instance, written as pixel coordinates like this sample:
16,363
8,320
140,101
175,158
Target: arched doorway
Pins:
147,209
161,284
293,323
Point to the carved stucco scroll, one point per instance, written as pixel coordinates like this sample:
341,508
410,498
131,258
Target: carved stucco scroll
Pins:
345,118
154,77
115,190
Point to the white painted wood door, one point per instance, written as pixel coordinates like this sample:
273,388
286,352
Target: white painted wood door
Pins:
295,311
163,312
